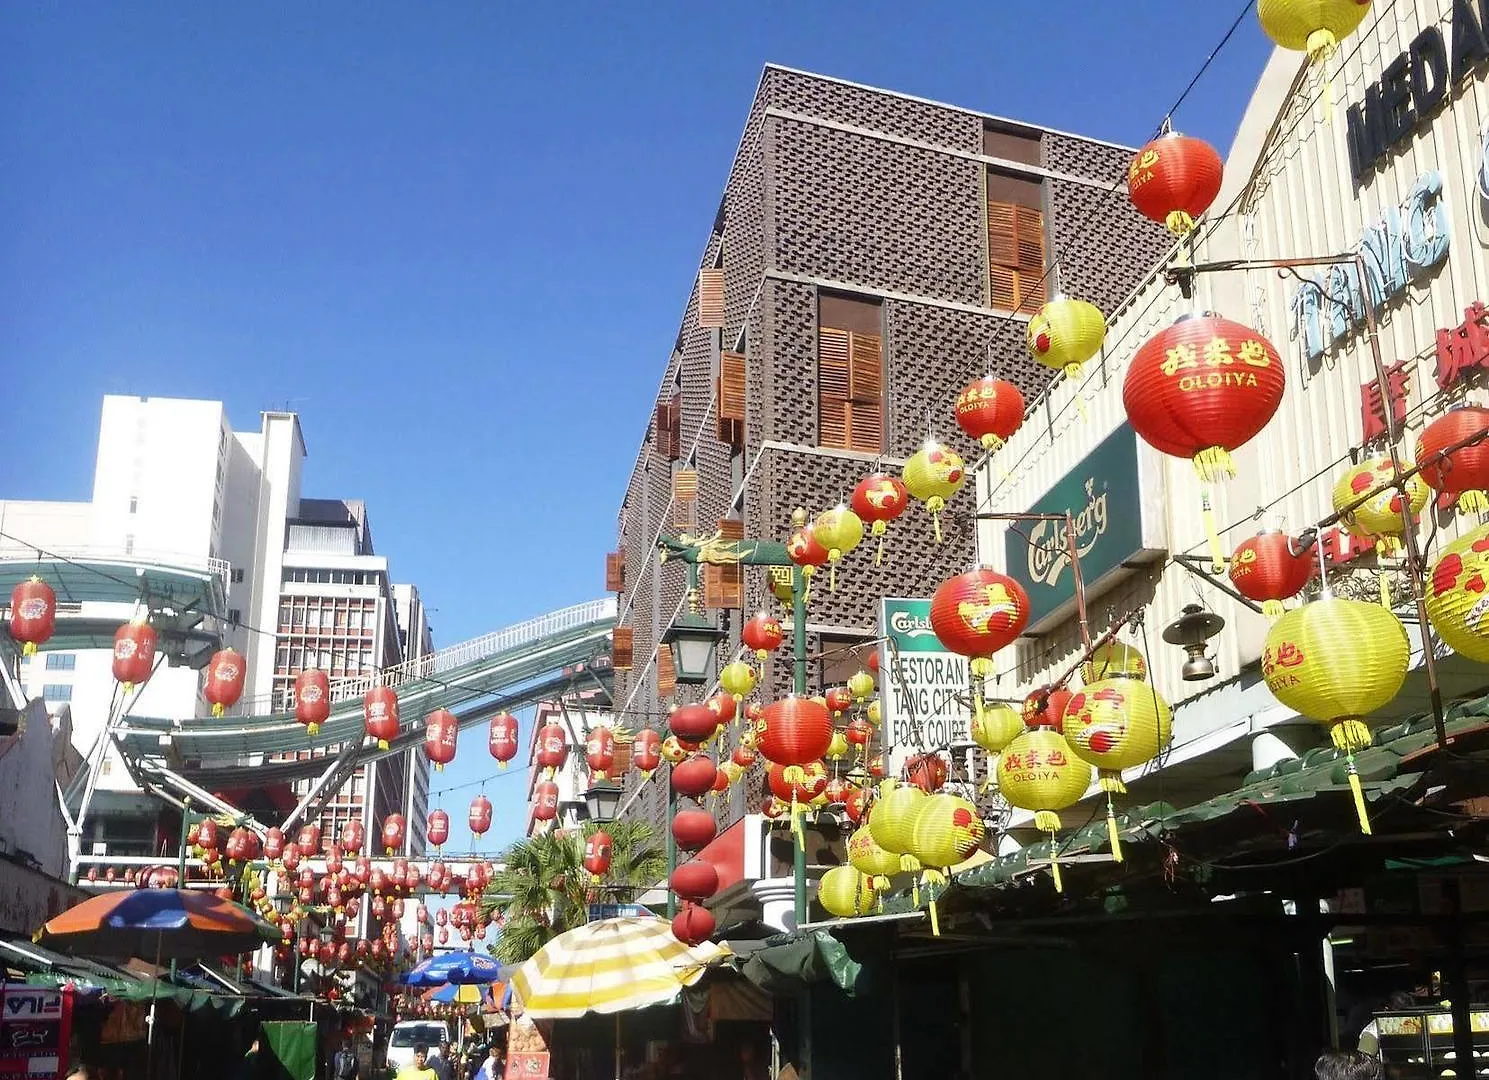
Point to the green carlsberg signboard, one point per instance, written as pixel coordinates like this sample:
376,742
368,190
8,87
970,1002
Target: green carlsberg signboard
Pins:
1102,497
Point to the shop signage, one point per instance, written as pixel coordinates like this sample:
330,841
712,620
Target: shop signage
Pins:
1102,496
1415,85
35,1026
527,1066
1465,348
927,704
1404,245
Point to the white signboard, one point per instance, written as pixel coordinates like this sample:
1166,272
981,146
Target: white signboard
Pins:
925,689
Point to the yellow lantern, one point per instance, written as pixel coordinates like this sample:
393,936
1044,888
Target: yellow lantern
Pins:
892,820
1457,598
868,858
672,750
995,726
737,678
1337,661
1114,660
1380,517
732,772
934,474
1038,771
860,685
1312,26
1065,333
845,892
874,713
1116,724
837,749
946,831
839,530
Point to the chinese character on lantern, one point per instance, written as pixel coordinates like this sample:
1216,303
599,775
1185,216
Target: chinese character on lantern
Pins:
1373,401
1463,348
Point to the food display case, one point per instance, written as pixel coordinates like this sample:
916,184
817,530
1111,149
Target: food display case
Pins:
1417,1044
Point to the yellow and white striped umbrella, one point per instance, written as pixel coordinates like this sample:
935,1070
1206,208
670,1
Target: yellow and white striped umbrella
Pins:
610,966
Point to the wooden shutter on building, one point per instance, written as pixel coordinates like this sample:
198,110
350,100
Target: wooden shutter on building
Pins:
1016,256
723,586
622,648
615,571
667,428
850,387
684,496
731,399
666,672
711,299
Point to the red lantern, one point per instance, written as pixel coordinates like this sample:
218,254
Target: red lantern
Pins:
441,917
762,632
856,805
206,834
695,880
242,845
134,654
978,613
694,776
312,699
722,706
33,614
502,738
599,752
839,699
353,835
804,550
1046,708
693,925
441,729
837,791
411,878
693,828
1269,568
1174,179
333,860
878,499
273,843
309,840
393,829
646,751
798,784
693,723
597,851
479,818
552,747
444,934
1464,472
545,800
990,410
744,756
720,782
437,828
859,731
226,672
794,731
927,772
380,715
291,857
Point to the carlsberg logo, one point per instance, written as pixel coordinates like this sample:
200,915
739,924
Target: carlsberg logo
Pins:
1049,548
907,625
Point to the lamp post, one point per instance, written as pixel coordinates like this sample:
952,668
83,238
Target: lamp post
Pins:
602,801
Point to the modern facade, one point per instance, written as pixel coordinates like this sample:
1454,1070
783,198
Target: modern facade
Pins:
872,253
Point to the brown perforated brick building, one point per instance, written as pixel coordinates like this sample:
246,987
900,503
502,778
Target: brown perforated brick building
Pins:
869,250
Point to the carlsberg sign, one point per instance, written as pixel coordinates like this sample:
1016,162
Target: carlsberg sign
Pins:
1101,494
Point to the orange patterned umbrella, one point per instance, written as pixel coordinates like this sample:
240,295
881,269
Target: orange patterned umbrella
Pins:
175,924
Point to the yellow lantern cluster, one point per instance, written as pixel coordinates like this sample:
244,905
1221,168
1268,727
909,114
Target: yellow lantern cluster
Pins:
1457,596
1039,771
933,474
1337,661
839,530
1065,333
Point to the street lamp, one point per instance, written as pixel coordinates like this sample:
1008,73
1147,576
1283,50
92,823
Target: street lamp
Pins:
696,638
603,802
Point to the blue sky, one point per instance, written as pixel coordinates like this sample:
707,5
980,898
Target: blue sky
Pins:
456,237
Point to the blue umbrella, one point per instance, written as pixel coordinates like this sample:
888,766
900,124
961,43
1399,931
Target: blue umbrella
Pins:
455,967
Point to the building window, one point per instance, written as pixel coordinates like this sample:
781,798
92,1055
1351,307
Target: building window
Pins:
134,504
56,693
129,545
1015,243
236,576
234,614
850,374
62,661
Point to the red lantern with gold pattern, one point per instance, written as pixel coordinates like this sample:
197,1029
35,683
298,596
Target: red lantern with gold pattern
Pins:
927,772
441,730
393,832
599,752
838,699
856,805
479,818
763,633
1174,179
1269,568
797,783
33,614
598,849
978,613
552,747
990,410
806,551
646,751
134,653
744,756
312,699
545,800
501,739
437,828
226,672
878,499
794,730
1046,708
380,715
723,707
1462,473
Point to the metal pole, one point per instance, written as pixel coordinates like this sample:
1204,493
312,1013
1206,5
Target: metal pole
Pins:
671,844
799,682
1077,580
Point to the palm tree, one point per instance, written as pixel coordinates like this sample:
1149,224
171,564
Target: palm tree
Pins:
544,889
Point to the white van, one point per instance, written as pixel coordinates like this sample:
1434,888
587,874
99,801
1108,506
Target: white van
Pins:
410,1033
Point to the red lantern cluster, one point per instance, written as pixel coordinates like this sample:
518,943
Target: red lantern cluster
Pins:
1174,179
33,614
134,654
380,715
990,410
441,731
501,740
226,672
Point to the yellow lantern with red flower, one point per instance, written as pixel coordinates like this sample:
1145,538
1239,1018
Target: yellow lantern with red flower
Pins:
1337,661
868,857
1065,333
845,892
839,530
946,830
933,474
1039,771
1384,515
1458,595
1116,724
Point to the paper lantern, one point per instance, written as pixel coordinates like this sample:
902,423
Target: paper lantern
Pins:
1312,26
1457,598
1114,659
1269,568
479,818
723,777
797,784
599,752
1337,661
441,730
693,925
978,613
1384,515
839,530
933,474
838,748
860,685
675,750
598,851
1046,708
892,820
545,800
695,880
694,723
1116,724
859,733
927,772
872,860
1039,771
1174,179
794,730
437,828
1462,473
646,751
878,499
134,653
723,707
33,614
273,843
693,828
738,679
996,726
763,633
946,831
380,715
551,748
501,738
393,833
856,804
837,791
226,672
1064,334
353,836
804,549
694,776
844,892
990,410
744,756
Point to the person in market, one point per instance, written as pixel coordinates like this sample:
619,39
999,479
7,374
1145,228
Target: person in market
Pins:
442,1061
1348,1065
493,1068
419,1068
344,1064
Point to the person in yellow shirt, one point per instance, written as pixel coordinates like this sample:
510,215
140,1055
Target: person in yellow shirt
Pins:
420,1069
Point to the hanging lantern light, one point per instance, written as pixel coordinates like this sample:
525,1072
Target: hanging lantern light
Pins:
975,614
837,791
738,679
598,850
870,859
380,715
479,818
501,739
861,685
693,828
838,699
839,530
946,831
134,653
693,723
1038,771
845,893
224,683
694,776
599,752
312,699
723,707
1064,334
646,751
996,726
694,880
990,410
797,787
859,733
744,756
1269,568
763,633
441,730
394,829
1114,660
693,925
933,474
552,748
1457,598
806,551
352,837
878,499
1384,516
1337,661
437,828
675,750
1046,707
273,843
33,614
1312,26
1173,180
794,730
928,772
856,804
1116,724
892,822
545,800
838,748
1462,473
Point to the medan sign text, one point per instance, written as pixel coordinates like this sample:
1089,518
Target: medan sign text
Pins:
1102,497
927,702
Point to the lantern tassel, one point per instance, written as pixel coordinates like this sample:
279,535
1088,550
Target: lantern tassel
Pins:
382,744
1472,502
878,529
1055,865
796,827
29,650
992,443
1273,609
1384,581
310,729
934,878
1359,794
1212,532
1113,834
832,575
935,504
218,708
1179,222
1214,463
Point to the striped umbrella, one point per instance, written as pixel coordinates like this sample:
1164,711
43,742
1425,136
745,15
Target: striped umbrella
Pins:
610,966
